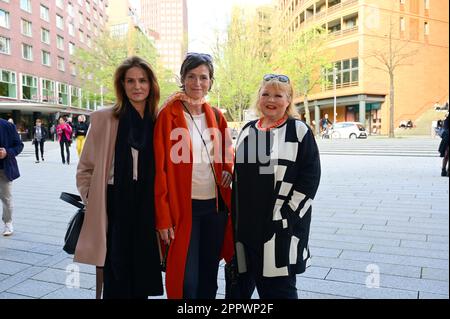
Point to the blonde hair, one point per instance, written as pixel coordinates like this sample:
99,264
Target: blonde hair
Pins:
81,118
287,88
119,78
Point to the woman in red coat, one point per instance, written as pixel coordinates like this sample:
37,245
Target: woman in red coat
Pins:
193,158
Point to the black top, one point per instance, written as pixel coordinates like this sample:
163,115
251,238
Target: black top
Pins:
81,129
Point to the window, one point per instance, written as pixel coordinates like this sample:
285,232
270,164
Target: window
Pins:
45,15
74,96
25,5
70,9
29,87
60,42
81,35
5,45
402,24
402,1
80,17
60,4
27,52
45,35
45,58
48,91
426,28
71,29
89,41
119,30
63,94
26,27
4,19
8,86
61,65
59,22
426,4
73,69
346,74
71,48
85,100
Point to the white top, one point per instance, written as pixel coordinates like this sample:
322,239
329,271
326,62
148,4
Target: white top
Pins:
135,155
203,183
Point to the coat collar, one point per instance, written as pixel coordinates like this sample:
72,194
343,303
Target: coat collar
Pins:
177,110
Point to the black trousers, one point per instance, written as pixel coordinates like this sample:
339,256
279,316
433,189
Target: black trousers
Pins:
115,288
202,264
283,287
61,145
39,145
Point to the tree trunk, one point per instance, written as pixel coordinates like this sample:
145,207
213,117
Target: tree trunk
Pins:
391,105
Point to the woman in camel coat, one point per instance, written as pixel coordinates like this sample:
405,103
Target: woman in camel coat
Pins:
115,178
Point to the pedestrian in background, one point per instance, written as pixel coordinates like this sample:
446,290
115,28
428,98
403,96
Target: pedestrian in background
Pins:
40,134
444,146
276,176
325,125
64,132
115,178
193,177
10,147
81,129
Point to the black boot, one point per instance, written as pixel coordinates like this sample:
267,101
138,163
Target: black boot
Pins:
444,172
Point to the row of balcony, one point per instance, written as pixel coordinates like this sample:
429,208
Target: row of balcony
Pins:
317,11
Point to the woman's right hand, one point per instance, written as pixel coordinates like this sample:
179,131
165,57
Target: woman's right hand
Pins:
167,235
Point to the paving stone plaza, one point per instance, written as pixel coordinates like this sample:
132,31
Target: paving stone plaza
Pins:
380,225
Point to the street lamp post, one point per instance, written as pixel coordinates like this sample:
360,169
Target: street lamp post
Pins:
334,89
101,96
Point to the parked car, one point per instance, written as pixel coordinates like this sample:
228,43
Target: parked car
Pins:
348,130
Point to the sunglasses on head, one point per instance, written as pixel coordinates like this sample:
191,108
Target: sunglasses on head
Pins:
279,77
204,56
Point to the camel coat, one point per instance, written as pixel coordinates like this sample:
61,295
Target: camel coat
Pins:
173,185
92,179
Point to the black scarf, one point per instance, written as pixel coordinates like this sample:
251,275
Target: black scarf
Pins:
133,247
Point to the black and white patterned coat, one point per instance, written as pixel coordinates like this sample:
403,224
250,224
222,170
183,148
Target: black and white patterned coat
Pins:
290,180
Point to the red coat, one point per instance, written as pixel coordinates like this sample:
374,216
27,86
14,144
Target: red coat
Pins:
173,186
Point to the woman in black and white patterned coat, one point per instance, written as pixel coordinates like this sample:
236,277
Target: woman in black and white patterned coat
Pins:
277,173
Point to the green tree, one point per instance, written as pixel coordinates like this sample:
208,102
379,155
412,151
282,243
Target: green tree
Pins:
303,59
239,65
96,67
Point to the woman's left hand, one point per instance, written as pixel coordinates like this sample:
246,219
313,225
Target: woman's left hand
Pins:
226,179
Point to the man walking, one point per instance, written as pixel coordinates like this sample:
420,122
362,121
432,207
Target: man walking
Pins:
10,147
40,134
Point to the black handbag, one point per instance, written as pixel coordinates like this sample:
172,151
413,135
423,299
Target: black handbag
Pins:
232,287
75,223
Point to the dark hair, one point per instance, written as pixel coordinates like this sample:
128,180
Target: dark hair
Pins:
194,60
119,78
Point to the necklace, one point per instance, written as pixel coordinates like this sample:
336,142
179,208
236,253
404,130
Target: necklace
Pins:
276,124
